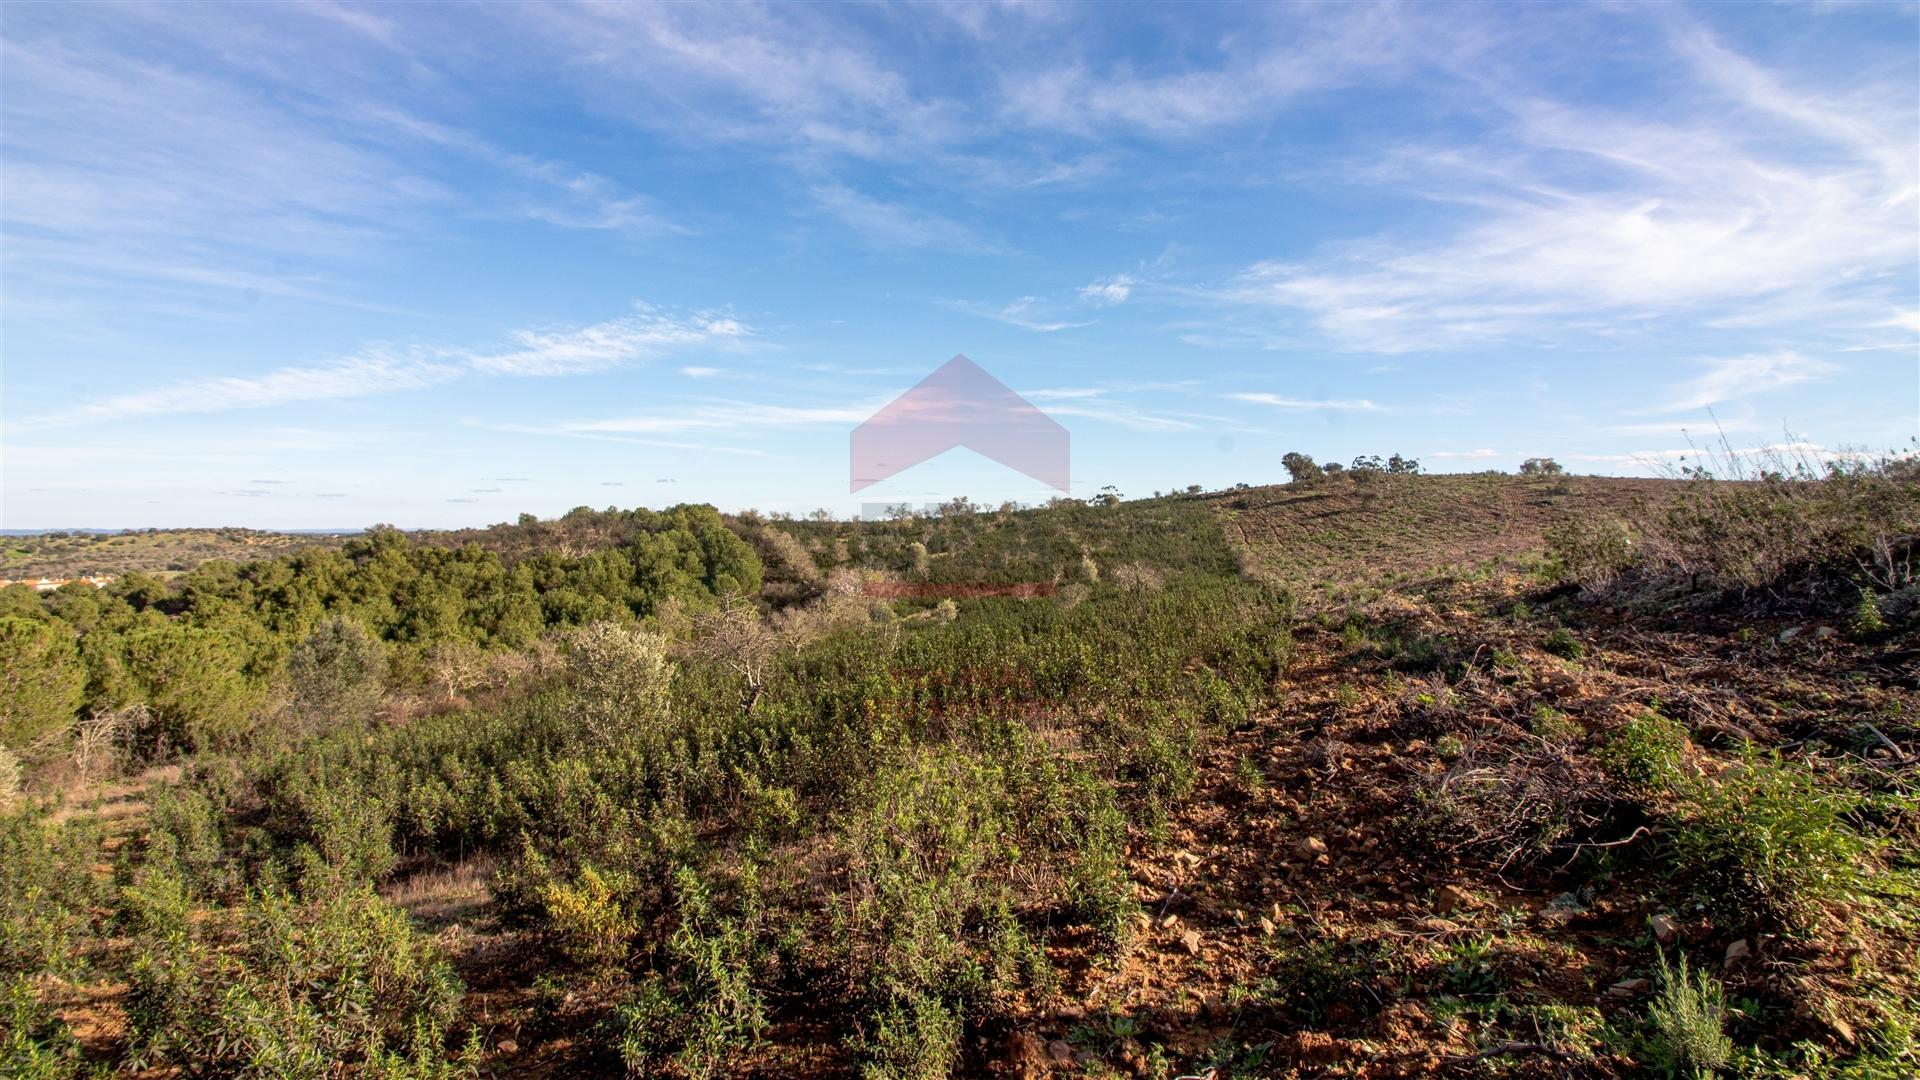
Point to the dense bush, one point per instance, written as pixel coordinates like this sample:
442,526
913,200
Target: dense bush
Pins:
194,680
335,675
41,681
1767,521
205,651
1301,468
1590,551
1768,843
292,988
1644,758
622,677
35,1044
47,892
699,1005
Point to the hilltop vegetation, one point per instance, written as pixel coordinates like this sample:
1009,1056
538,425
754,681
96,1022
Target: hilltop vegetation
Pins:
1365,776
61,555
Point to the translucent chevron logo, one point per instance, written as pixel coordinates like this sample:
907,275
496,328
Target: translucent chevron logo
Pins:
960,404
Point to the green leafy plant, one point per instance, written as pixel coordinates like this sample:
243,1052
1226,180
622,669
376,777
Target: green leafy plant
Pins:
1467,967
917,1040
1561,642
1645,757
1768,843
1687,1023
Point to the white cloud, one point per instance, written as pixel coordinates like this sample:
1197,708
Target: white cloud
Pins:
1736,377
731,415
1113,290
1750,201
1719,424
1469,455
1767,455
156,151
885,224
1063,393
354,377
578,351
609,344
1261,68
1028,313
1119,413
697,372
1305,405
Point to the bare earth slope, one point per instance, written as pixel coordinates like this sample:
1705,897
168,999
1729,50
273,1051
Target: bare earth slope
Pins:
1316,538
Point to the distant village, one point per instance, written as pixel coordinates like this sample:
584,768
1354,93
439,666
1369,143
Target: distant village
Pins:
98,581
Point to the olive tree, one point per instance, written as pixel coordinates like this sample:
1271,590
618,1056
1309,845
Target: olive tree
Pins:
334,675
621,679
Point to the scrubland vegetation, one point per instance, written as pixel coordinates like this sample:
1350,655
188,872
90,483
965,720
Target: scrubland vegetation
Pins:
1377,774
62,555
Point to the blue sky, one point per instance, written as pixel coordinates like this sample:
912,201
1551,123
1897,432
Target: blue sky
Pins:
317,265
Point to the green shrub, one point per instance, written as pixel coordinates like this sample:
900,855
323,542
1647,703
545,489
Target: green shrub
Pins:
699,1007
919,1040
335,675
1590,551
1645,758
47,887
1555,726
294,988
931,855
41,681
1561,642
1301,468
1468,967
35,1044
194,680
1307,981
1768,843
1687,1023
588,920
1867,622
621,677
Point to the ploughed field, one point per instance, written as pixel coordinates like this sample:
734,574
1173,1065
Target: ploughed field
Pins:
1377,776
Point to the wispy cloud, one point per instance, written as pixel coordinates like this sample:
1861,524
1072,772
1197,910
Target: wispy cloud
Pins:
1467,455
354,377
1736,377
888,224
1761,201
1254,74
1790,451
1292,404
1114,412
646,335
723,415
1028,313
163,150
583,350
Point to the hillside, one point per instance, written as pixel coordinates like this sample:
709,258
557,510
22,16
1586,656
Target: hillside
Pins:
63,555
1342,531
1390,778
